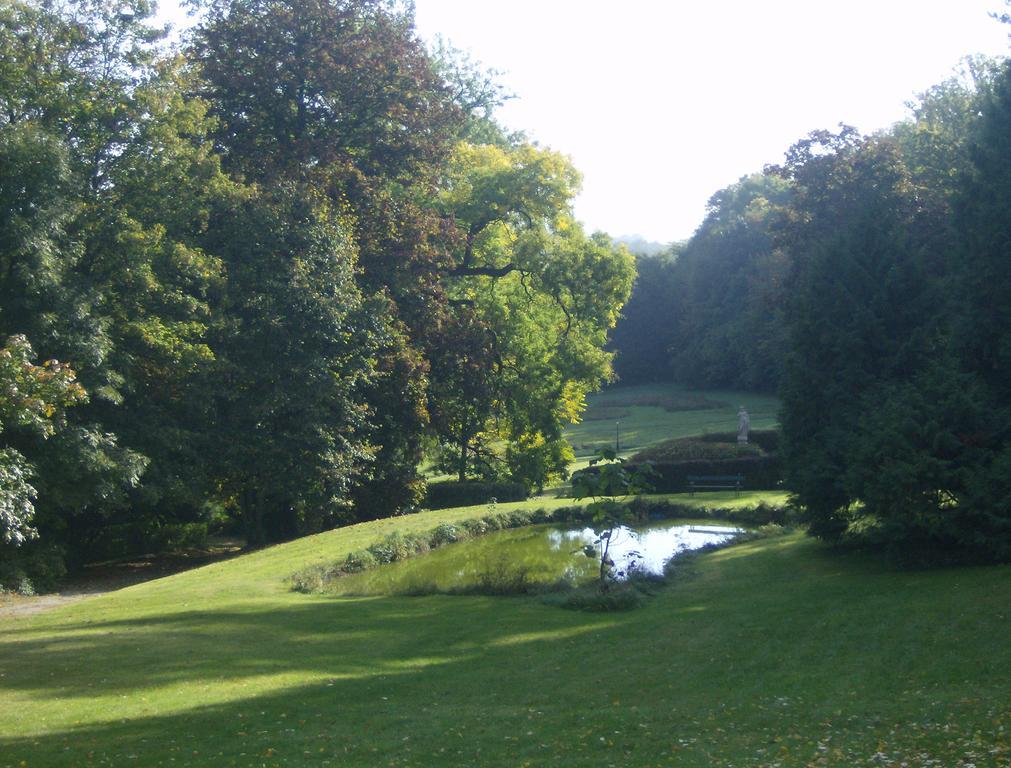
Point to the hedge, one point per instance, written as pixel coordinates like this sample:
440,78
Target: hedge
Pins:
760,473
766,439
453,493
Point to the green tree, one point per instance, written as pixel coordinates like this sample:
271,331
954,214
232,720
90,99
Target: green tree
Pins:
297,342
872,404
46,294
983,292
341,98
729,291
643,337
539,297
33,399
608,478
935,140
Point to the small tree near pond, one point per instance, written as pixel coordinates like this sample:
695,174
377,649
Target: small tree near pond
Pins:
609,484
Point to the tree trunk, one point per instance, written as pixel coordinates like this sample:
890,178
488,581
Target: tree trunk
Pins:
462,467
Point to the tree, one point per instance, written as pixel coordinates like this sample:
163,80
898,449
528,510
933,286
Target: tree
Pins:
47,296
340,98
644,334
298,343
538,297
607,478
935,140
33,399
301,85
872,405
728,291
983,293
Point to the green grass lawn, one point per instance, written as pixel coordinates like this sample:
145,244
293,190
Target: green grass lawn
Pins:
644,420
775,652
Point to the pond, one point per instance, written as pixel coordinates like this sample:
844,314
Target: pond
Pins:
533,557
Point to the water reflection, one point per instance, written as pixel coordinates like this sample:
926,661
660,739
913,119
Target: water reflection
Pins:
515,559
647,549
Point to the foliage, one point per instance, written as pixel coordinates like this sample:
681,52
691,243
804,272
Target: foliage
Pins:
33,399
759,472
278,258
297,347
644,334
297,85
936,138
765,439
709,310
613,477
453,493
534,298
694,449
860,312
981,339
886,417
624,596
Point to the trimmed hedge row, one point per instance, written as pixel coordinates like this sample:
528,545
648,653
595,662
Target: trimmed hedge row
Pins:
453,493
691,449
761,473
766,439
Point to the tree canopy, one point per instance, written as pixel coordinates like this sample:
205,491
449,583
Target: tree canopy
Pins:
269,271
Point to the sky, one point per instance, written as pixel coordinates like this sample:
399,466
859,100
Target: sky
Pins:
660,103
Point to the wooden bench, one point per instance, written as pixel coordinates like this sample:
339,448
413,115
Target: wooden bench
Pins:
715,483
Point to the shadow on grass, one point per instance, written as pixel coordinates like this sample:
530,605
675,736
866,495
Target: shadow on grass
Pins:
753,649
342,637
354,679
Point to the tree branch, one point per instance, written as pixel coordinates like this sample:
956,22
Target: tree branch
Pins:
467,271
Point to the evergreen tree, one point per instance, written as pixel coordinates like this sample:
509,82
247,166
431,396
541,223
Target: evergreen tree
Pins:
983,338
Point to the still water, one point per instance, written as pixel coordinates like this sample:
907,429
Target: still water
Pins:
532,556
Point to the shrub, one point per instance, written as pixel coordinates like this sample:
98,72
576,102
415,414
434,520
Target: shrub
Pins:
691,449
452,493
760,473
33,567
517,518
359,561
766,439
445,533
619,597
397,547
500,577
476,527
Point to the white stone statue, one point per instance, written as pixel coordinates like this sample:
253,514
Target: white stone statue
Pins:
743,425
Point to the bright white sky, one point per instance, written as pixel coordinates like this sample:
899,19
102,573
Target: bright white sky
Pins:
660,103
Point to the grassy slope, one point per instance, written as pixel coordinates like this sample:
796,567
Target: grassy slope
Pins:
645,425
776,652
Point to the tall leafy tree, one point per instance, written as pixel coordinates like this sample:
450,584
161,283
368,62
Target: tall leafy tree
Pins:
983,292
297,341
873,406
341,97
728,291
539,297
47,295
643,337
32,404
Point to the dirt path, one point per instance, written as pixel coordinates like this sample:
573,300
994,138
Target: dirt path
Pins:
16,605
102,578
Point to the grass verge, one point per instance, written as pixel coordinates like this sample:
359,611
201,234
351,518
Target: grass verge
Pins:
775,652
